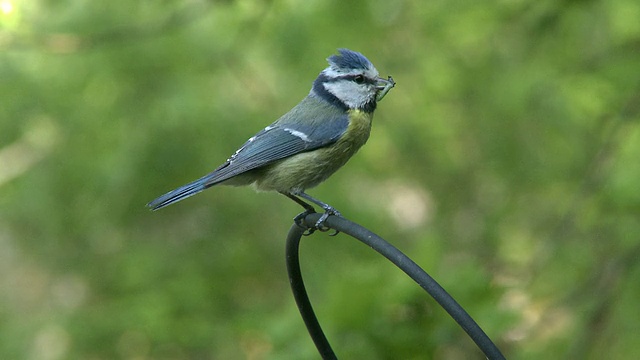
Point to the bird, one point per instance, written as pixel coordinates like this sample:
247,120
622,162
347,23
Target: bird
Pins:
307,144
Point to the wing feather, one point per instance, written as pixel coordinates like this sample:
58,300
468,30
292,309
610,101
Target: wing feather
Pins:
278,142
292,134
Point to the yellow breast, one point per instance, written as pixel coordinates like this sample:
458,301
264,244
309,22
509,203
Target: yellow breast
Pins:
359,128
306,170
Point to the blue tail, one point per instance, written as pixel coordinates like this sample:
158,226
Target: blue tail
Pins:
181,193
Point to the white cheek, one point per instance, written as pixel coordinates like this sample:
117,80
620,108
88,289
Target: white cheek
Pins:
352,94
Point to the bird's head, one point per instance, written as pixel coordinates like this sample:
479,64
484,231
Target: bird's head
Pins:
352,82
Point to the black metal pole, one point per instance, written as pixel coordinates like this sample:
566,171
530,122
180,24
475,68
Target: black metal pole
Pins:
301,297
394,255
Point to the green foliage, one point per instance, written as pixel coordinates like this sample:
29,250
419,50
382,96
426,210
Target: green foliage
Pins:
505,162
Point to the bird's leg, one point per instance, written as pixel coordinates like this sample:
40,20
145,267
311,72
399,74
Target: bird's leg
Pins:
328,210
308,209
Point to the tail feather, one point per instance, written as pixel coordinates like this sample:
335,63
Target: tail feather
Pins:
181,193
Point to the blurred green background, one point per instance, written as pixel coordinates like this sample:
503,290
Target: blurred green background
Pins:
506,162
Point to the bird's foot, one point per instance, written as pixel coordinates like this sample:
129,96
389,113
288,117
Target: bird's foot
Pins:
319,225
299,220
328,210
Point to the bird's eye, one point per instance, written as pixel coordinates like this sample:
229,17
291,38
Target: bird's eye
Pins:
359,79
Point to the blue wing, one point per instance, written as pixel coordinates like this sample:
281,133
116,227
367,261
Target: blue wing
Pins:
282,139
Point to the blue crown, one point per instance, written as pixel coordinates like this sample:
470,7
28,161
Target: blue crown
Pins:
348,60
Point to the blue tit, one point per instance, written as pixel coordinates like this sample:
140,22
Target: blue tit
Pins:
309,143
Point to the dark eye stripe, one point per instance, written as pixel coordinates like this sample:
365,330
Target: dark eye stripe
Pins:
352,78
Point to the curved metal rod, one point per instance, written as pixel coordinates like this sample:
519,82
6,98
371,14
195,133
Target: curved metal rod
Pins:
394,255
300,294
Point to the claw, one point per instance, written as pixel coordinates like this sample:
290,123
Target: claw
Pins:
320,223
298,220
